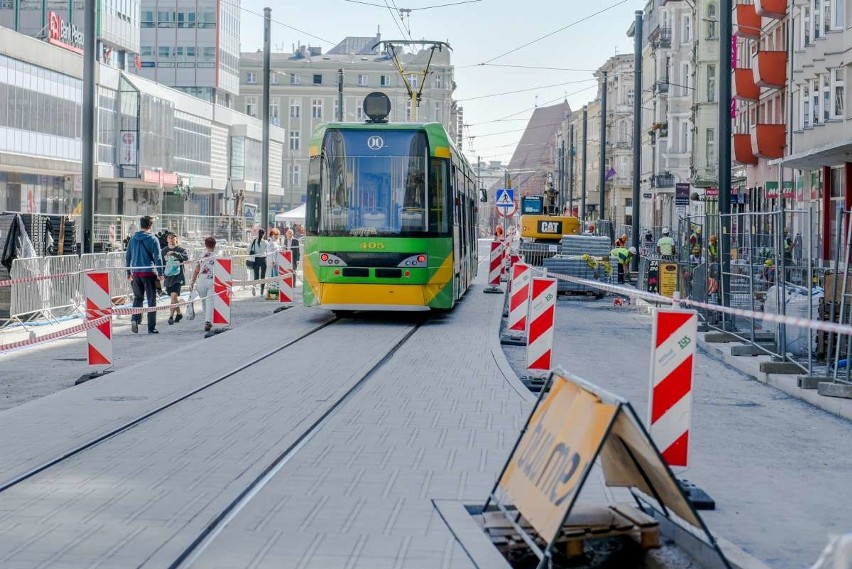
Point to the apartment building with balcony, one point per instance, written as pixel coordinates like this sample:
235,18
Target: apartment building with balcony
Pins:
760,105
668,122
619,146
304,93
820,144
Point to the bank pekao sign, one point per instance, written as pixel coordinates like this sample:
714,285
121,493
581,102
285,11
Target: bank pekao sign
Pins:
64,34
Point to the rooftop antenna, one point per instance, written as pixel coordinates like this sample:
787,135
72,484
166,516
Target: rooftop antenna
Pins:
394,48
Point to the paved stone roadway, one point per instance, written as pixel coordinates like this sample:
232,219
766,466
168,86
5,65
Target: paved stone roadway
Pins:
436,422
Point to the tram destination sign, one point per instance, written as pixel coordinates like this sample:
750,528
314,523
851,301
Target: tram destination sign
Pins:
64,34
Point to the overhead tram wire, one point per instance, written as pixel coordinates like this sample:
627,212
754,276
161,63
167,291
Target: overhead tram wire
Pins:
572,24
525,90
235,5
421,8
536,67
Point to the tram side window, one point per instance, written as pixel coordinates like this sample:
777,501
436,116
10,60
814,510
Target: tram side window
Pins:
438,194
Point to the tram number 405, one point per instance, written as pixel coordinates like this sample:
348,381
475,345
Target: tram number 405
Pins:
372,245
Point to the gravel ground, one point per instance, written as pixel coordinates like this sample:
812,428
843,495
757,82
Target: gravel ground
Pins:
776,467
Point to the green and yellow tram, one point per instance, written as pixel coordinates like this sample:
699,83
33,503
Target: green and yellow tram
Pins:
390,218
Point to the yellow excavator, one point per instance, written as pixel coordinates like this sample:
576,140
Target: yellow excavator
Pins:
542,227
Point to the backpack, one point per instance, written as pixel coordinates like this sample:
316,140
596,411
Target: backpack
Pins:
172,267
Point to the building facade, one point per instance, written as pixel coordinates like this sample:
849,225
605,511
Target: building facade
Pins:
158,150
60,22
304,93
192,46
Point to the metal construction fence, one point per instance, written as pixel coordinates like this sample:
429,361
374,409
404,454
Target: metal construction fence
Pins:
53,286
765,263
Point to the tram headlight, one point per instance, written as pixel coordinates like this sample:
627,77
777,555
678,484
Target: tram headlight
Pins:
415,261
330,260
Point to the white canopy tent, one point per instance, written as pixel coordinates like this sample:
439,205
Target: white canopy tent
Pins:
294,215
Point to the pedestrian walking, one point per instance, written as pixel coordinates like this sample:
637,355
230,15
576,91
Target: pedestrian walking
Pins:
202,279
272,248
292,244
144,267
174,256
257,251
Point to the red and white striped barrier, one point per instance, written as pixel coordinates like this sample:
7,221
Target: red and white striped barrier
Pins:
59,334
222,291
519,297
284,259
98,305
542,314
670,413
496,265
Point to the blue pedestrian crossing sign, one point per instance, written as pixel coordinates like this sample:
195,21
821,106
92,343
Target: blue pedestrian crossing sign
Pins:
505,198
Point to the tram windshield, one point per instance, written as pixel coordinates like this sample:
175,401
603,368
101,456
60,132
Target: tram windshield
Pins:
377,182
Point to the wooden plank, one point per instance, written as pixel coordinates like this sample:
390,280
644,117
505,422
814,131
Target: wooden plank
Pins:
639,518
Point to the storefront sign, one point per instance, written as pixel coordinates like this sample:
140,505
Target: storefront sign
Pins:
63,34
788,192
159,177
771,190
711,192
668,279
682,195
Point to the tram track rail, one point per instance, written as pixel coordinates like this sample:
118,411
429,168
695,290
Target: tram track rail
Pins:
210,519
128,425
232,510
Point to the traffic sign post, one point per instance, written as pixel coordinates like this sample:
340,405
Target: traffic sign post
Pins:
505,198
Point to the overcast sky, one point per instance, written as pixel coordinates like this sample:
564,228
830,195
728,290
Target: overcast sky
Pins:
580,36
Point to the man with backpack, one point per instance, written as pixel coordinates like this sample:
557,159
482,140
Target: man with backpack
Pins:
174,257
144,267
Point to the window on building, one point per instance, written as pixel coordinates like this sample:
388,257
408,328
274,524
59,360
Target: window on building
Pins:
318,79
712,22
806,26
408,110
439,116
359,111
208,54
686,29
316,108
839,22
413,81
146,51
337,108
684,80
384,81
826,16
186,19
711,83
274,109
147,21
806,106
362,80
295,79
838,92
207,20
815,101
816,21
165,19
826,96
684,137
274,79
251,77
294,175
438,81
251,106
295,109
294,140
710,147
164,52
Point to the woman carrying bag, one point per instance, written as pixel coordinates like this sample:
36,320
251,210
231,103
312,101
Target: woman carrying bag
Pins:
257,259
